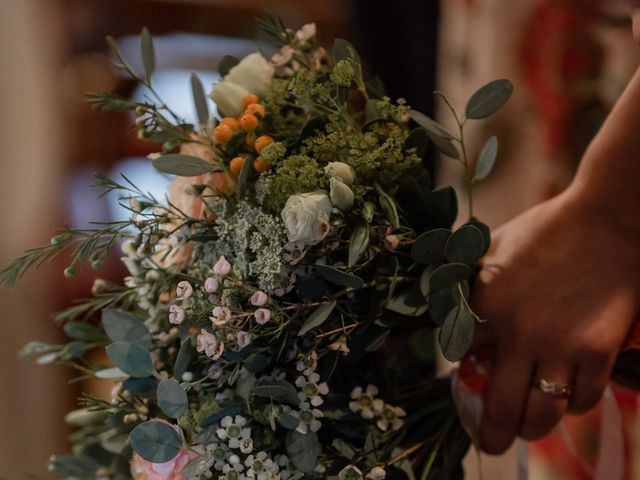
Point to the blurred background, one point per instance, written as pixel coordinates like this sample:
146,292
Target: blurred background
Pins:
568,59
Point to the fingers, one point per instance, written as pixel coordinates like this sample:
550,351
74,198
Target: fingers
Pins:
505,400
544,410
591,379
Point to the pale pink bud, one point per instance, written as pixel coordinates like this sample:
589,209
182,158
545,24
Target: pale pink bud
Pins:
211,285
243,339
259,299
263,315
176,314
184,290
222,267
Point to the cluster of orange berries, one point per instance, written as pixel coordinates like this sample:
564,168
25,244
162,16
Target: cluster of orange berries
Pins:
247,121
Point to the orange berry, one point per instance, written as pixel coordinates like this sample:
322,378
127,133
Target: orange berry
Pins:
231,122
248,122
260,165
262,142
236,165
255,109
249,99
222,133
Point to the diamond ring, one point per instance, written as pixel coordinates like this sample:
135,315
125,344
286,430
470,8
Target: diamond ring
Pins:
552,388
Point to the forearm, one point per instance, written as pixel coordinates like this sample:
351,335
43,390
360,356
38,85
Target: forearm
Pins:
608,178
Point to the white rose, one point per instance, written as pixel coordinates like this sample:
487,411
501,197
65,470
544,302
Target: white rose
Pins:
341,195
306,217
228,97
340,170
252,75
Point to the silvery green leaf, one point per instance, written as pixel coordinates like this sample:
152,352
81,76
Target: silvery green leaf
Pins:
243,178
229,411
83,331
172,398
184,357
457,333
199,466
388,206
148,53
155,441
489,99
110,373
487,159
358,243
343,448
123,327
288,421
430,125
448,275
429,248
465,245
199,100
303,450
131,359
339,277
318,317
182,165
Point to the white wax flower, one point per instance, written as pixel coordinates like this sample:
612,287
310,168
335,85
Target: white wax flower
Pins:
220,316
243,339
259,299
306,217
340,170
341,195
376,473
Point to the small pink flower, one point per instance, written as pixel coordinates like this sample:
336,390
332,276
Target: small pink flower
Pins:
222,267
211,285
392,241
259,299
142,469
220,316
207,343
263,315
176,314
184,290
244,339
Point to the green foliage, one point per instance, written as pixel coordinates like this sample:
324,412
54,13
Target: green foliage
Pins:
172,398
131,359
156,442
297,174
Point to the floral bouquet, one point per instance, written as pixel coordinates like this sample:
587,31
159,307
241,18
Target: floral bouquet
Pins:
284,302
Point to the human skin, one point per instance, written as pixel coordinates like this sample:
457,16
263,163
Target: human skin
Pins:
561,287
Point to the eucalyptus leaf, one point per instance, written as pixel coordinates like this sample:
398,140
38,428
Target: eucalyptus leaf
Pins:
489,99
83,331
441,303
303,450
172,398
418,139
288,421
318,317
279,390
148,53
184,357
110,373
343,50
256,363
358,243
388,206
243,178
487,159
131,359
37,348
343,448
485,231
199,99
466,245
339,277
429,248
430,125
182,165
457,333
448,275
227,63
199,466
155,441
123,327
404,304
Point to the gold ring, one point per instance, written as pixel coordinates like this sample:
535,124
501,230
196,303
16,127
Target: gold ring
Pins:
552,388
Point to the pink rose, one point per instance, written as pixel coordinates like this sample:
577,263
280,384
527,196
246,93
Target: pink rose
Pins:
142,469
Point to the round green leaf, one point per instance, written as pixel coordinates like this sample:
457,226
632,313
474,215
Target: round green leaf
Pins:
456,334
172,398
303,450
155,441
487,159
429,247
131,359
485,231
448,275
489,99
465,245
123,327
182,165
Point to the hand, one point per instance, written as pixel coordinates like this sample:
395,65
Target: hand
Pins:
560,292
